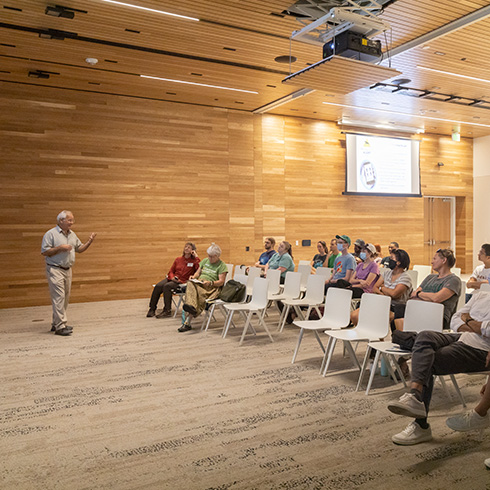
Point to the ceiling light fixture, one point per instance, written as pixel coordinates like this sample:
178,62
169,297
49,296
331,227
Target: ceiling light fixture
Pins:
200,84
390,126
453,74
151,10
60,11
407,114
283,100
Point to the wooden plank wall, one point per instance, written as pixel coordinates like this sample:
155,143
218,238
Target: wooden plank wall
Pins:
148,175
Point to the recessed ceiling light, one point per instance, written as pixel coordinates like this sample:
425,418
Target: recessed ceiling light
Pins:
200,84
439,53
285,59
436,88
426,47
150,10
453,74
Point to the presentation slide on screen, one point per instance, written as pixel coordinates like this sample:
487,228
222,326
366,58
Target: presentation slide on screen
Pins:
382,165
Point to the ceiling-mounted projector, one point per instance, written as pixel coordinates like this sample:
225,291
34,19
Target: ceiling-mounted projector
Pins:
353,45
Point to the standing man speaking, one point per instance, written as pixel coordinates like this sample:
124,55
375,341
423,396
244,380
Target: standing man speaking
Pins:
59,247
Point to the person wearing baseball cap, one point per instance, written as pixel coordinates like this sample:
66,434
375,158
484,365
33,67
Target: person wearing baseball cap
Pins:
345,265
358,246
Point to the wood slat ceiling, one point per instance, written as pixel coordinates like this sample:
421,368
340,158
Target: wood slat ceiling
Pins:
234,45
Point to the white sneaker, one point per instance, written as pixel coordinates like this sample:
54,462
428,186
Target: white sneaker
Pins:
468,421
409,406
413,434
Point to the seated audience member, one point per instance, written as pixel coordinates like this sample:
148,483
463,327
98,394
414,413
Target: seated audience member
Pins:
358,246
395,283
344,267
182,268
392,246
283,260
366,273
436,353
320,258
443,287
333,253
481,274
269,244
378,258
477,418
205,284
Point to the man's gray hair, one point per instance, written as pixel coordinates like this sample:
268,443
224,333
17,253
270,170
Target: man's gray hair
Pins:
63,215
214,250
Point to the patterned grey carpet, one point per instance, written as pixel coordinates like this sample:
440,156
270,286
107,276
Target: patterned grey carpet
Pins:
129,403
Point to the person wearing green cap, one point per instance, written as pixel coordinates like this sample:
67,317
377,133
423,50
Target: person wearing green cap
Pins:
345,265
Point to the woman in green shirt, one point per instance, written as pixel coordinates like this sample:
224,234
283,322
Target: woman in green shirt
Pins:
205,284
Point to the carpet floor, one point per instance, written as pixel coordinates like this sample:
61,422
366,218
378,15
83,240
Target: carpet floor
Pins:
127,402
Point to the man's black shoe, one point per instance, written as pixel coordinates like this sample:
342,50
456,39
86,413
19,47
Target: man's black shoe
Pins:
184,328
53,328
63,331
164,314
150,314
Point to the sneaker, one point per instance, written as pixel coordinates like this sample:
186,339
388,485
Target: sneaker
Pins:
413,434
64,332
184,328
409,406
150,314
68,327
164,314
468,421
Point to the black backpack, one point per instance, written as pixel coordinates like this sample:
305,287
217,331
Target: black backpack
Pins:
233,292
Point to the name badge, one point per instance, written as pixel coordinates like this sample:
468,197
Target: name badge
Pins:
189,264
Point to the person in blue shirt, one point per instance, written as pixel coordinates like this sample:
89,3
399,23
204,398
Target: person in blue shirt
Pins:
283,260
345,265
269,244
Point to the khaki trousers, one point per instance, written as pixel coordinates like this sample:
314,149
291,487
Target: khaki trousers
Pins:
59,282
197,294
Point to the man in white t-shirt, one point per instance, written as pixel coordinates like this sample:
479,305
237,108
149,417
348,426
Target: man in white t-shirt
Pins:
481,274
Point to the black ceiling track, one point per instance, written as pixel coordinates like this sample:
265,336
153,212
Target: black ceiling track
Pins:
75,36
419,93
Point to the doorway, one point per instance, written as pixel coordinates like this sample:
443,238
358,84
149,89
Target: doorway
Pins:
439,226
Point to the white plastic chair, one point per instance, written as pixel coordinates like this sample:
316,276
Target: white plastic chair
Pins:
419,316
314,297
374,324
292,290
485,287
257,305
304,262
456,271
219,303
414,276
253,272
274,278
305,271
326,272
336,315
241,269
229,267
462,296
423,271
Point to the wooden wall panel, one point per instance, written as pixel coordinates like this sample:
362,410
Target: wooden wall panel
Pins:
147,176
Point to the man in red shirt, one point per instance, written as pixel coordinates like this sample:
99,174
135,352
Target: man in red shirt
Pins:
182,268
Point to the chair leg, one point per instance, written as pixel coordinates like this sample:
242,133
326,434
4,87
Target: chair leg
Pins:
245,328
325,355
283,318
392,358
178,306
352,354
300,338
363,368
228,320
373,371
265,326
330,354
458,391
319,340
